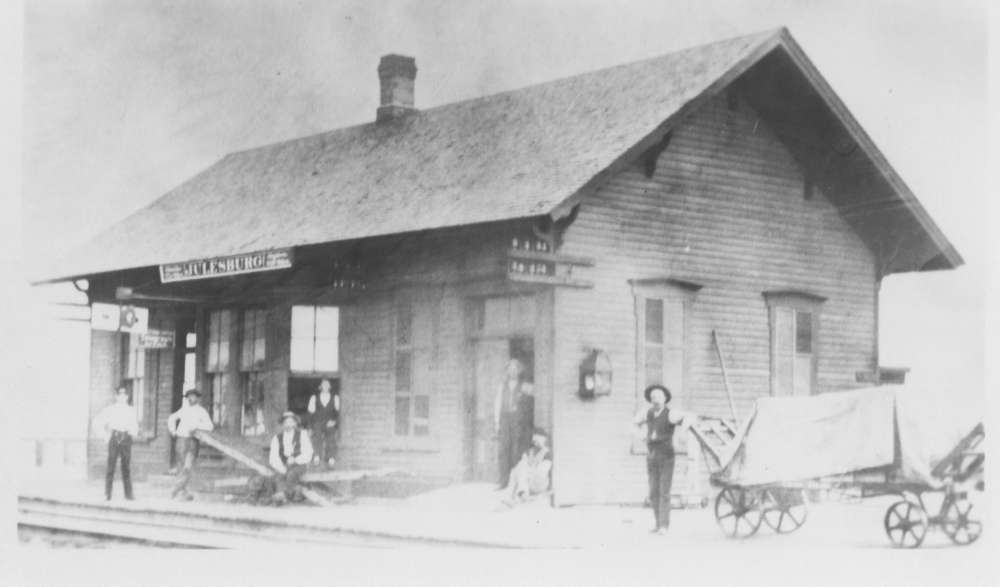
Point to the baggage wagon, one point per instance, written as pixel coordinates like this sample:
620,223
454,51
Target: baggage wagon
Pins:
765,478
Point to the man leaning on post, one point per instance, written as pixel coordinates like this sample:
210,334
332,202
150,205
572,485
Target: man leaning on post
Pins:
182,424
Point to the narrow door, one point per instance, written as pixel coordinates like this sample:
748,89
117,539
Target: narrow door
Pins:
491,356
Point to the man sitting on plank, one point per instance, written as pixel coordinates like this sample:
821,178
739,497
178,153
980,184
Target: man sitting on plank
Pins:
290,452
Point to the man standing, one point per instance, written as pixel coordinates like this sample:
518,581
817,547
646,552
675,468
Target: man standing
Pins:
660,423
324,410
290,452
509,419
182,425
119,425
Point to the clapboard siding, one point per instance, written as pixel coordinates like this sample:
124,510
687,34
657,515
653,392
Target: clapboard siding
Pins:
427,271
725,209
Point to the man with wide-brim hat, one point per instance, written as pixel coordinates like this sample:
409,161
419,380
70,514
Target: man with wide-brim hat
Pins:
291,450
660,423
182,424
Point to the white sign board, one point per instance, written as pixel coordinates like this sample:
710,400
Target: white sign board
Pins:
115,318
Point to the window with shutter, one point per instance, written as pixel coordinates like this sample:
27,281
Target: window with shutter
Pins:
412,404
252,355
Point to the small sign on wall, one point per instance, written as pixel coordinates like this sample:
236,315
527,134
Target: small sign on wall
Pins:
115,318
157,339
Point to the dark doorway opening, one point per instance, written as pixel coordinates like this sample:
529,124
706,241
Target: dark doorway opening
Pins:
300,389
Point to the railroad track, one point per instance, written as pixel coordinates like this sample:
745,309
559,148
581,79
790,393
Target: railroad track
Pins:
191,529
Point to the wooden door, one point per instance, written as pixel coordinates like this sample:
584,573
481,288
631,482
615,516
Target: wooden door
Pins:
491,355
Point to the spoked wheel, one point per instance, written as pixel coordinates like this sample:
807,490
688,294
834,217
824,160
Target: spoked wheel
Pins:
906,524
957,523
784,510
738,512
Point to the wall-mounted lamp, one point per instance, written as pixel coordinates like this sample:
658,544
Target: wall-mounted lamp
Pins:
595,375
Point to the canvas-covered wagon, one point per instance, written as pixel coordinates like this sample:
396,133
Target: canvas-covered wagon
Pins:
869,442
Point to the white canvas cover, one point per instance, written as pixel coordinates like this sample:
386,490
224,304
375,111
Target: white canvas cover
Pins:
791,439
799,438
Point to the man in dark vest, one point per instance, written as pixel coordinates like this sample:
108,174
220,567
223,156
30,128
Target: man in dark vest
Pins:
324,411
513,418
290,452
660,423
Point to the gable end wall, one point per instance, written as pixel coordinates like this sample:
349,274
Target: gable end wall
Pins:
724,209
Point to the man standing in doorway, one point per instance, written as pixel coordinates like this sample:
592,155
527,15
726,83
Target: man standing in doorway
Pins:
119,425
324,411
182,425
509,419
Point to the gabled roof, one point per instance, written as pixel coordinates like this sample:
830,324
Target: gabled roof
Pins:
515,154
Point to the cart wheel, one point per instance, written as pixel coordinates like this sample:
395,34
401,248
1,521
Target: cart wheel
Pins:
958,526
738,512
905,524
784,510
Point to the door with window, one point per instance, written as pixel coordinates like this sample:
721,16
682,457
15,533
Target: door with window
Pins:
794,325
502,328
662,308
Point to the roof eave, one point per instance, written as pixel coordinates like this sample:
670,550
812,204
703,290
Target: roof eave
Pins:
947,250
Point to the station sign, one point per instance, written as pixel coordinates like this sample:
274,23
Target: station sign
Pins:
269,260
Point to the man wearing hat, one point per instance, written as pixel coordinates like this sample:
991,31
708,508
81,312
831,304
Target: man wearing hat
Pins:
181,425
119,425
660,423
290,452
324,411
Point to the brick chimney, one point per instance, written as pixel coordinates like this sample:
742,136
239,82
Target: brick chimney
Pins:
396,74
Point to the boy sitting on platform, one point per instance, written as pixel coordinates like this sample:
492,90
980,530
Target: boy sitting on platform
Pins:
530,477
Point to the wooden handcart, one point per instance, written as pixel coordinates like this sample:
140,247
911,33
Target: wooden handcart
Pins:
741,509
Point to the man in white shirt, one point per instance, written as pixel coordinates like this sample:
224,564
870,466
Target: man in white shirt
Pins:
118,424
290,452
182,424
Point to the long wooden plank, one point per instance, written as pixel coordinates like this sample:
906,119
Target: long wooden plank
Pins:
232,453
241,458
725,374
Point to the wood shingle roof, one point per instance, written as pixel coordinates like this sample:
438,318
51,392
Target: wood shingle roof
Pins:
520,153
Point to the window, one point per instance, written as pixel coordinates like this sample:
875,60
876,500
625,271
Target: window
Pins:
252,355
794,318
315,338
217,363
134,379
412,409
661,349
190,360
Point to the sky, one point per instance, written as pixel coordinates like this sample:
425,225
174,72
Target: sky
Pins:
124,100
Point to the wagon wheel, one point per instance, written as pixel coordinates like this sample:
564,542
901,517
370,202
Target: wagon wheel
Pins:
738,512
958,526
905,524
784,510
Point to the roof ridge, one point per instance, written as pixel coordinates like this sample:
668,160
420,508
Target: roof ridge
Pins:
764,35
